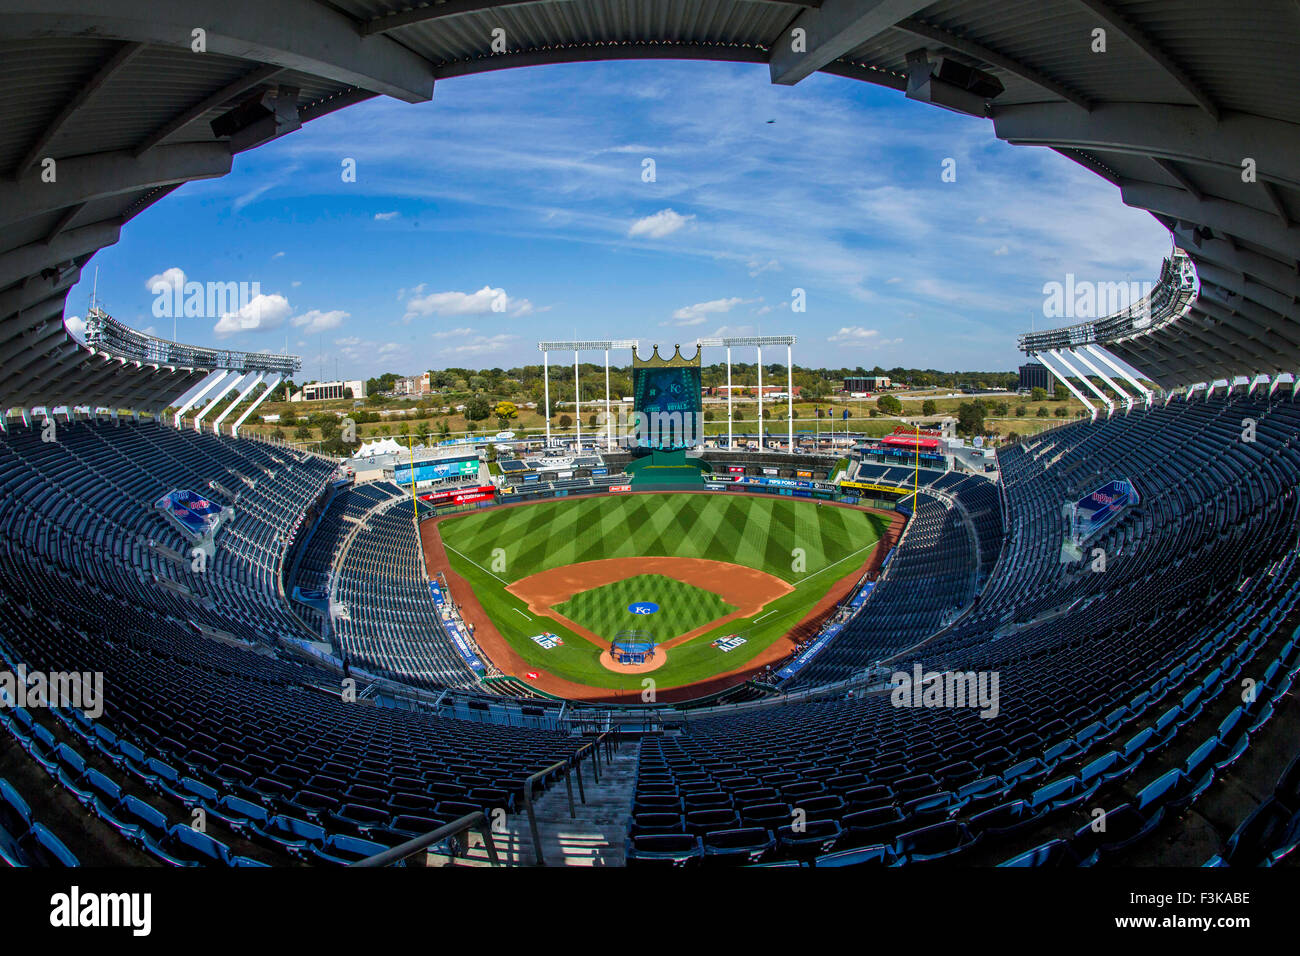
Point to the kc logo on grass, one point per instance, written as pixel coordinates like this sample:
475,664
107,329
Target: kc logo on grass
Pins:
643,607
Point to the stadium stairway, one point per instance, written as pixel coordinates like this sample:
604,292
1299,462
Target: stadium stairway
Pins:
594,837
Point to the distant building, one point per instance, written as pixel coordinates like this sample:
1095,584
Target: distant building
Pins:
1034,375
415,385
769,391
867,383
324,391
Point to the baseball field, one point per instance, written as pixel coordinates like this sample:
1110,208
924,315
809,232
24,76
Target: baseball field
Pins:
718,580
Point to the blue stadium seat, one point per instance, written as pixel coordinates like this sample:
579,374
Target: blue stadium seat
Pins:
43,848
748,845
1053,853
664,849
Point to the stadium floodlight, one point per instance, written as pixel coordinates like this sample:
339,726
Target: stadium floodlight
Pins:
581,345
757,342
746,340
587,345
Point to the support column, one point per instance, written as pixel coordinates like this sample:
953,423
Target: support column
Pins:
609,422
200,391
730,443
577,402
760,398
1087,382
271,384
1082,356
241,397
1092,411
789,391
232,381
1105,360
546,396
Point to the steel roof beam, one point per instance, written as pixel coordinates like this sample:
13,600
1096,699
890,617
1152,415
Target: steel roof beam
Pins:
818,37
120,58
1152,51
301,35
1176,173
993,58
1219,214
1181,133
31,259
222,96
102,175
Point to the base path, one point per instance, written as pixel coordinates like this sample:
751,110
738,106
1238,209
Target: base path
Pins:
508,660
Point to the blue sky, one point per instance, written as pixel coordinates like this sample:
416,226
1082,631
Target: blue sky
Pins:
513,207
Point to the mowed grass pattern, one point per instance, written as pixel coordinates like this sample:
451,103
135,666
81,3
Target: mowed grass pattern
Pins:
755,532
682,607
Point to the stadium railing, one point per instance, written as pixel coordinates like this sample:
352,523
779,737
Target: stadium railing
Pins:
571,767
471,821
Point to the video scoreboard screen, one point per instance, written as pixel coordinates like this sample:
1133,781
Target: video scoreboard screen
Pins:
669,399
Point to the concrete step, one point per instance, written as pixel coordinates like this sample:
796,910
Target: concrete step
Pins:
592,836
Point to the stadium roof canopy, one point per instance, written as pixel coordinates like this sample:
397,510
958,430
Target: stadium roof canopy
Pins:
1192,111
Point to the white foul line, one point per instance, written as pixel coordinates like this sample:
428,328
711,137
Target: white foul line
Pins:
473,562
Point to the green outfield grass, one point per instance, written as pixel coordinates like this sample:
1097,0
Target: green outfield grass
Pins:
495,547
682,607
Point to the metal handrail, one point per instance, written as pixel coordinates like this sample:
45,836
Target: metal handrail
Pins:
471,821
570,766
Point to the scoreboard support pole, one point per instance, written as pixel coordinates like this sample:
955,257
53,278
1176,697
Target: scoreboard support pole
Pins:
577,402
760,398
609,421
730,443
789,392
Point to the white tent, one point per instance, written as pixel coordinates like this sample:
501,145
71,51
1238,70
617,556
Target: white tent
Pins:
382,446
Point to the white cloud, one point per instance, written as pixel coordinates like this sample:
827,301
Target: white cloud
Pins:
1001,250
386,216
173,278
698,313
278,255
757,267
252,195
485,301
318,321
663,223
261,314
452,333
76,327
854,334
723,331
485,343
